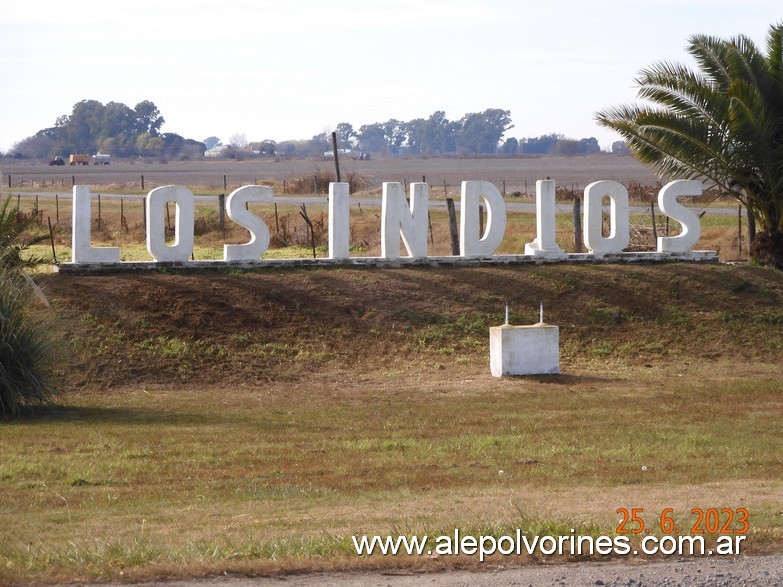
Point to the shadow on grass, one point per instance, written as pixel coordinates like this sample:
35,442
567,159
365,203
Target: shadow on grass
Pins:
560,379
114,415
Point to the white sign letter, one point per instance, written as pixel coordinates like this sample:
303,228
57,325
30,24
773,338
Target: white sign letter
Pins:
619,233
469,242
238,212
82,251
182,248
691,227
399,219
339,214
545,244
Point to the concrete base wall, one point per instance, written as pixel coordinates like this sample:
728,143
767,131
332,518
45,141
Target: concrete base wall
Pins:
524,350
651,257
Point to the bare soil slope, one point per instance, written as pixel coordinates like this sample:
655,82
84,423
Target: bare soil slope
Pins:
224,329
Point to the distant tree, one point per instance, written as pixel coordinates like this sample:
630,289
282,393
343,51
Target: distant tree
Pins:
510,146
148,118
148,145
620,148
118,122
287,148
543,145
238,140
396,135
320,143
588,146
346,136
480,132
372,138
35,147
211,142
191,149
172,145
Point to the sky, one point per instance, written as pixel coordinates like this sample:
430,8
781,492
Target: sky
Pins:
292,69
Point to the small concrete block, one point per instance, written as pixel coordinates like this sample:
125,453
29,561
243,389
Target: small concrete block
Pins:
524,350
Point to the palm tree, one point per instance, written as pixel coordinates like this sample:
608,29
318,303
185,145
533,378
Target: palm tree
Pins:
26,341
13,240
722,122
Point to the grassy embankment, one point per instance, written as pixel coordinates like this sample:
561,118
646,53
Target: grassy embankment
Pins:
252,423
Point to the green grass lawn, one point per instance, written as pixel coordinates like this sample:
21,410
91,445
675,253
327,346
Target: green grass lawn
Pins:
264,478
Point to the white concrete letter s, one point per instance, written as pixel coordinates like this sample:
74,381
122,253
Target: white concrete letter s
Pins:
238,212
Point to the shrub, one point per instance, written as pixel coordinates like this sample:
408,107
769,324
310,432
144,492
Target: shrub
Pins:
26,347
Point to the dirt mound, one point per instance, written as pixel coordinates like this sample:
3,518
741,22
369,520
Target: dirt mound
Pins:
226,329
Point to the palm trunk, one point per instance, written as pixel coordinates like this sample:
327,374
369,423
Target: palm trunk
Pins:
767,249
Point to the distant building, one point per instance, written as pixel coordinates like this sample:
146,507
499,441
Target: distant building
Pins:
216,152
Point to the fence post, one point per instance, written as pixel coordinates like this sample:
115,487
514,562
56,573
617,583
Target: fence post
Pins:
577,224
57,208
453,226
654,225
222,211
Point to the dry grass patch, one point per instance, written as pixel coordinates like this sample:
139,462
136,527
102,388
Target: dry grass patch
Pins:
200,478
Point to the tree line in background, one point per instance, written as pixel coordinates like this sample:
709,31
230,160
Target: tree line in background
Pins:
112,128
124,132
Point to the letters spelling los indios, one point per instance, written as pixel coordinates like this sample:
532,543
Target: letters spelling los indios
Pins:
400,221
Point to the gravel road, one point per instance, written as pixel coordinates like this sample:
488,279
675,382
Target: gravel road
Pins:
702,572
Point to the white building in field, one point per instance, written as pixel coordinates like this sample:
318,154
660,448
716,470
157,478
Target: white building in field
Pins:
216,152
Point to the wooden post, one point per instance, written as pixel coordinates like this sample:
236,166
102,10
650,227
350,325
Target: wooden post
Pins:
654,225
445,189
168,217
73,180
453,226
504,188
303,214
123,220
739,230
144,213
100,222
429,221
9,180
336,161
283,186
222,211
142,182
57,208
277,221
51,237
225,185
577,224
481,221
